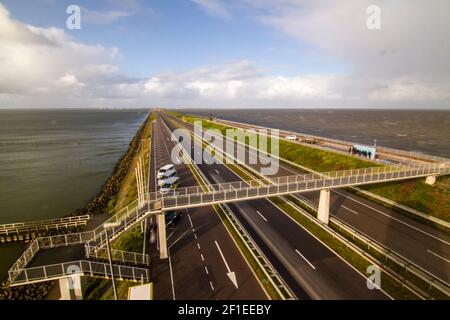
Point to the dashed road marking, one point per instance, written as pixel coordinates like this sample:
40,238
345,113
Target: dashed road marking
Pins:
264,218
348,209
303,257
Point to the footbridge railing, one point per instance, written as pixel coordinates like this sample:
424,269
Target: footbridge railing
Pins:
253,189
60,223
82,267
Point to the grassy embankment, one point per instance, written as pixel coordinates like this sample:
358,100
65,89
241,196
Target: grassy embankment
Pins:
416,194
433,200
132,240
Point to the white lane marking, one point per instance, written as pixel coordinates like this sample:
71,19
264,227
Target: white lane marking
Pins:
446,260
230,274
216,171
170,235
189,216
206,270
348,209
201,256
195,236
212,287
198,246
171,277
389,216
303,257
180,237
264,218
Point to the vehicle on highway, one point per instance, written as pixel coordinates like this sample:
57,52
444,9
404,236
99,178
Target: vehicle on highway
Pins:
167,175
169,184
172,216
164,169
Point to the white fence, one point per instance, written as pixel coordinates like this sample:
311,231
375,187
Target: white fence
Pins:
118,255
396,152
252,189
83,267
67,222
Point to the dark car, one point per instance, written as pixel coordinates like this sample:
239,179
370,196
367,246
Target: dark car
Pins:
172,216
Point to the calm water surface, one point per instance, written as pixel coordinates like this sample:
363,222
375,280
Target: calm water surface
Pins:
53,162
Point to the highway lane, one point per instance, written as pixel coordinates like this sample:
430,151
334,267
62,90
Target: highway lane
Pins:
310,268
419,243
196,268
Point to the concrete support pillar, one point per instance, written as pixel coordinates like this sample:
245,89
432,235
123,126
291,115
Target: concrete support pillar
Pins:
71,288
162,236
430,180
323,213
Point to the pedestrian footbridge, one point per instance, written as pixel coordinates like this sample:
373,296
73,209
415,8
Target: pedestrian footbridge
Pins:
85,253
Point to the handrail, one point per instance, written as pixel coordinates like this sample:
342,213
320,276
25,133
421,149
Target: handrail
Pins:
119,255
84,267
417,155
252,189
33,224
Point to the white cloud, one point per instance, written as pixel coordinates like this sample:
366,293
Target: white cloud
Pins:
397,67
412,40
104,17
45,63
214,7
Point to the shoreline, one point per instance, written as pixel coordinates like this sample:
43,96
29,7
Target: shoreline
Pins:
94,207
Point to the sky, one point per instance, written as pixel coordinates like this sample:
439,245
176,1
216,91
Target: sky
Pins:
225,54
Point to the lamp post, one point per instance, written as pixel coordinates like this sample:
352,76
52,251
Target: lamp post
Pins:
107,226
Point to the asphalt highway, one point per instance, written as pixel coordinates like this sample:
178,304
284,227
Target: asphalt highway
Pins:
418,243
310,268
199,246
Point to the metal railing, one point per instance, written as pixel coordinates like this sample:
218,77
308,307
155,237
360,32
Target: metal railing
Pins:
252,189
118,255
26,257
67,222
395,152
128,217
82,267
63,240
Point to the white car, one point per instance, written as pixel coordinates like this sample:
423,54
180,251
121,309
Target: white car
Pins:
164,169
169,184
167,175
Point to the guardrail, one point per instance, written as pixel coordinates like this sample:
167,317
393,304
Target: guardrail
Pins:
82,267
67,222
74,239
128,217
396,152
118,255
431,280
266,267
25,258
252,189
